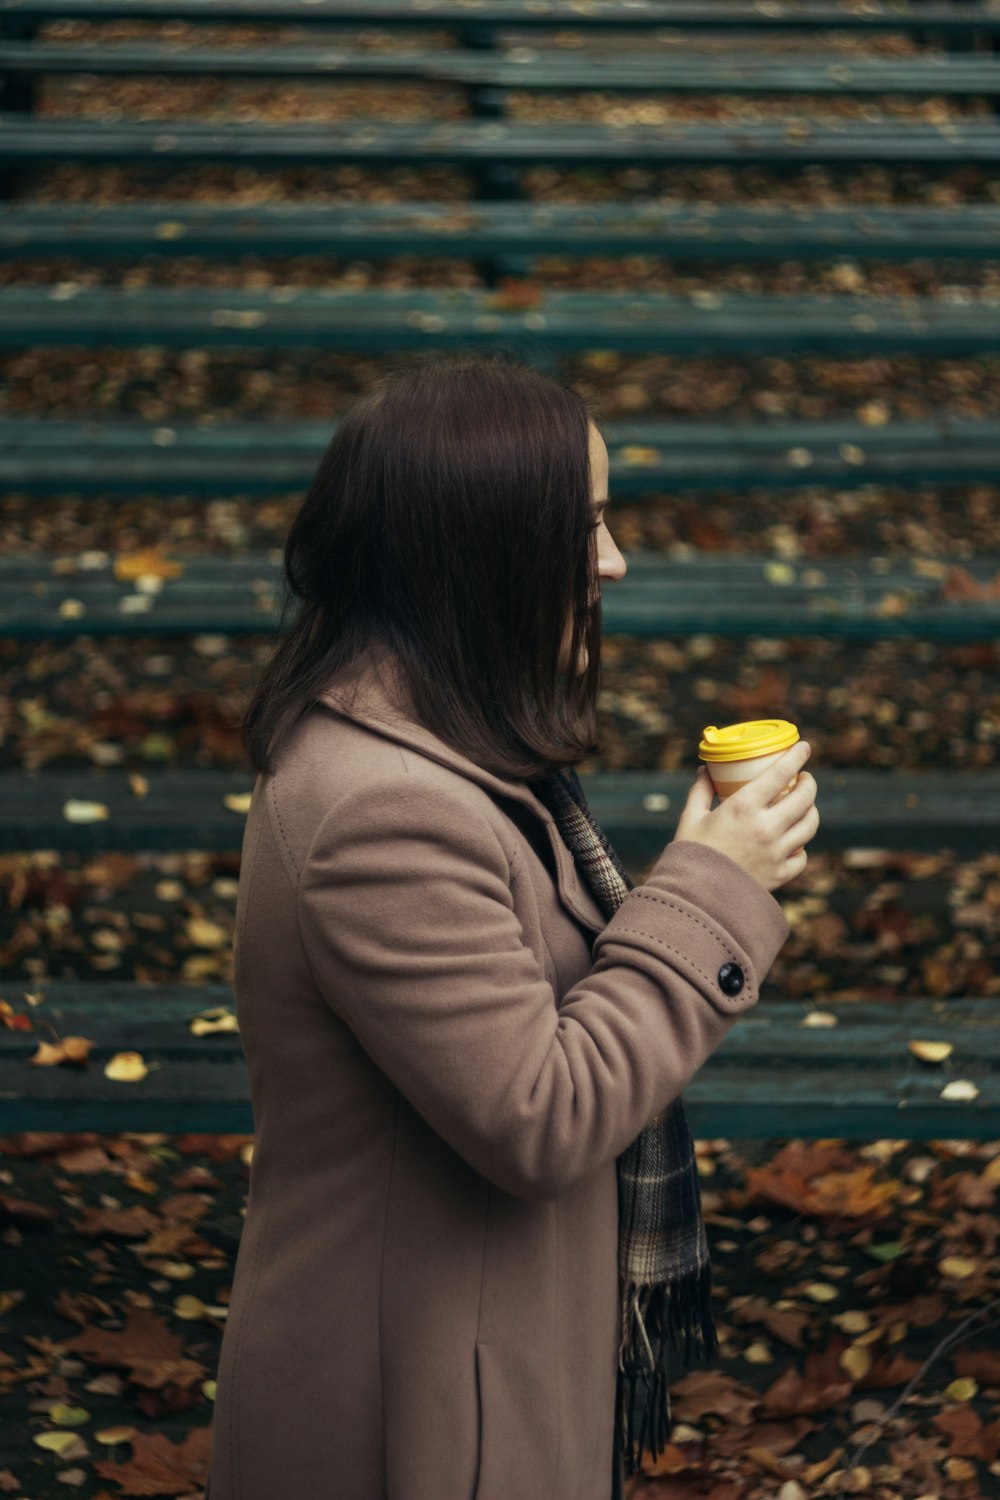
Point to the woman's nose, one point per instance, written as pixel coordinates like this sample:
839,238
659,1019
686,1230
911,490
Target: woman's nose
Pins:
610,563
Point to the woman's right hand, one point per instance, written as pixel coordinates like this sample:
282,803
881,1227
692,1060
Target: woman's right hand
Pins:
762,831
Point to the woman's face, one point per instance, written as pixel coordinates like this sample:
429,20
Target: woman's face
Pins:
610,563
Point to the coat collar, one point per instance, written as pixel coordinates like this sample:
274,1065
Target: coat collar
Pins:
373,692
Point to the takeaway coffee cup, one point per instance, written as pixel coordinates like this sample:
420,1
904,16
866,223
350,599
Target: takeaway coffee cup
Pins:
737,753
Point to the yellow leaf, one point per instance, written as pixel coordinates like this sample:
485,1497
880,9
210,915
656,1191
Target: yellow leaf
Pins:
200,968
821,1291
779,572
69,1416
820,1018
115,1435
758,1354
76,1048
962,1390
60,1442
177,1270
205,1025
855,1320
189,1307
874,414
633,453
170,229
931,1051
146,562
139,784
238,801
957,1267
856,1361
125,1067
49,1054
208,1388
960,1088
206,934
84,812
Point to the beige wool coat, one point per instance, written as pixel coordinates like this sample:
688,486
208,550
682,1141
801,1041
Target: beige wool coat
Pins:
448,1045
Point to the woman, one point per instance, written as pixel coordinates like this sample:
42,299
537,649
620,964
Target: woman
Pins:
449,1043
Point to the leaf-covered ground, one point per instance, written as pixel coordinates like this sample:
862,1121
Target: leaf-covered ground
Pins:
839,1270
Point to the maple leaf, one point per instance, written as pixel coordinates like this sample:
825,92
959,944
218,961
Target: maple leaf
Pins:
776,1437
820,1387
888,1372
960,585
160,1467
678,1458
701,1391
964,1429
146,1347
23,1211
786,1323
835,1194
130,1223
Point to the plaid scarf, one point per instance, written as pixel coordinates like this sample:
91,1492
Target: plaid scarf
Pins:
665,1276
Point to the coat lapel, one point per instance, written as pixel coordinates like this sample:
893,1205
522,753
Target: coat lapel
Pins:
374,695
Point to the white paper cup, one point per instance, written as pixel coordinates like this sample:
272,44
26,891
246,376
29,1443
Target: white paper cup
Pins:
761,741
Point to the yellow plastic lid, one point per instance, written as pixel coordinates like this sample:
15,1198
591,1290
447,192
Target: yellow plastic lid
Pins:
744,741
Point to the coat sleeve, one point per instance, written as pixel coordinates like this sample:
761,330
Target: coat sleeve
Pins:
408,921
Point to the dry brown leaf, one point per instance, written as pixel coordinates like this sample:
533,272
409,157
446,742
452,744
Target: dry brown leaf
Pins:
159,1467
70,1049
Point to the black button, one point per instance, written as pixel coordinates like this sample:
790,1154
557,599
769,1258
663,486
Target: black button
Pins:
731,979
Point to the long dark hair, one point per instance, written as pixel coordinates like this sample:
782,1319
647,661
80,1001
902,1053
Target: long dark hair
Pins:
450,521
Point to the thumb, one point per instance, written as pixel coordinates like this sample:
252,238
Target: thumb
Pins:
770,783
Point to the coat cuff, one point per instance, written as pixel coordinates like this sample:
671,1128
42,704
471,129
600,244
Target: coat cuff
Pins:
701,912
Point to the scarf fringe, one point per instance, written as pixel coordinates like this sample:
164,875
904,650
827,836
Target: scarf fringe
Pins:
655,1319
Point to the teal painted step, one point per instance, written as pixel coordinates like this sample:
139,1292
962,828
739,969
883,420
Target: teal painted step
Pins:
870,599
877,15
504,228
771,1076
551,70
186,809
374,231
366,322
123,458
26,141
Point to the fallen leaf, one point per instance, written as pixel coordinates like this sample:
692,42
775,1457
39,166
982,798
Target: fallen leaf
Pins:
931,1051
857,1361
126,1067
71,1049
75,811
960,1088
159,1467
147,562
